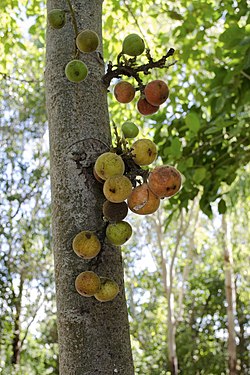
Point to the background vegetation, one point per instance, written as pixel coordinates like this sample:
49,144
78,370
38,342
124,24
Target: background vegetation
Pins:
203,130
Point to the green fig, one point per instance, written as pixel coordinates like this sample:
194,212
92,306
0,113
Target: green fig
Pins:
76,71
129,129
133,45
108,290
56,18
119,233
87,41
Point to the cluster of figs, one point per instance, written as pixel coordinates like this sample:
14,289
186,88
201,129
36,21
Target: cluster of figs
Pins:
122,191
153,94
118,169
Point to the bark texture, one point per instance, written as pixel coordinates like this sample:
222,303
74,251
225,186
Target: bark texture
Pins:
93,336
230,297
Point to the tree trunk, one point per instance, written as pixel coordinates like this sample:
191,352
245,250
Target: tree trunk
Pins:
172,355
230,297
93,336
167,272
16,342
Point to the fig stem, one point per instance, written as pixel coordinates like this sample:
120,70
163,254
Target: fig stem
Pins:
74,22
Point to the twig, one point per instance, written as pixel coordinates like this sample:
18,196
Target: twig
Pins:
129,69
72,12
245,74
7,76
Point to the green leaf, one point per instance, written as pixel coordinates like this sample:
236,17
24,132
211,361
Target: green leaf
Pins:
190,162
247,59
232,36
33,29
193,122
199,175
206,207
175,147
222,207
219,105
22,46
174,15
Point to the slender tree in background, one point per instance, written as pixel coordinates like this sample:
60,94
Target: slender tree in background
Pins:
230,296
93,336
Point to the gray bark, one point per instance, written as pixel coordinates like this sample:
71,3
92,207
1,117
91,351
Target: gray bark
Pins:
93,336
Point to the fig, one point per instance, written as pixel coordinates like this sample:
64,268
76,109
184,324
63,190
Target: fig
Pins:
114,211
145,108
133,45
129,129
76,71
56,18
87,283
144,151
108,290
109,164
142,201
97,177
118,233
164,181
117,188
87,41
86,244
156,92
124,92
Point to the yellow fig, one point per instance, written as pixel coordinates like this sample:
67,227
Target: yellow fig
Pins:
86,244
87,283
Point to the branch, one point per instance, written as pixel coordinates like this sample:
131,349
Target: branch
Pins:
128,69
245,74
135,20
7,76
31,321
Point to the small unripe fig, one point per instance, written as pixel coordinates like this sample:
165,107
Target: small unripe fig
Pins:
124,92
109,164
108,290
145,108
142,201
117,188
129,129
119,233
76,71
114,211
87,283
164,181
133,45
144,151
156,92
87,41
86,244
56,18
